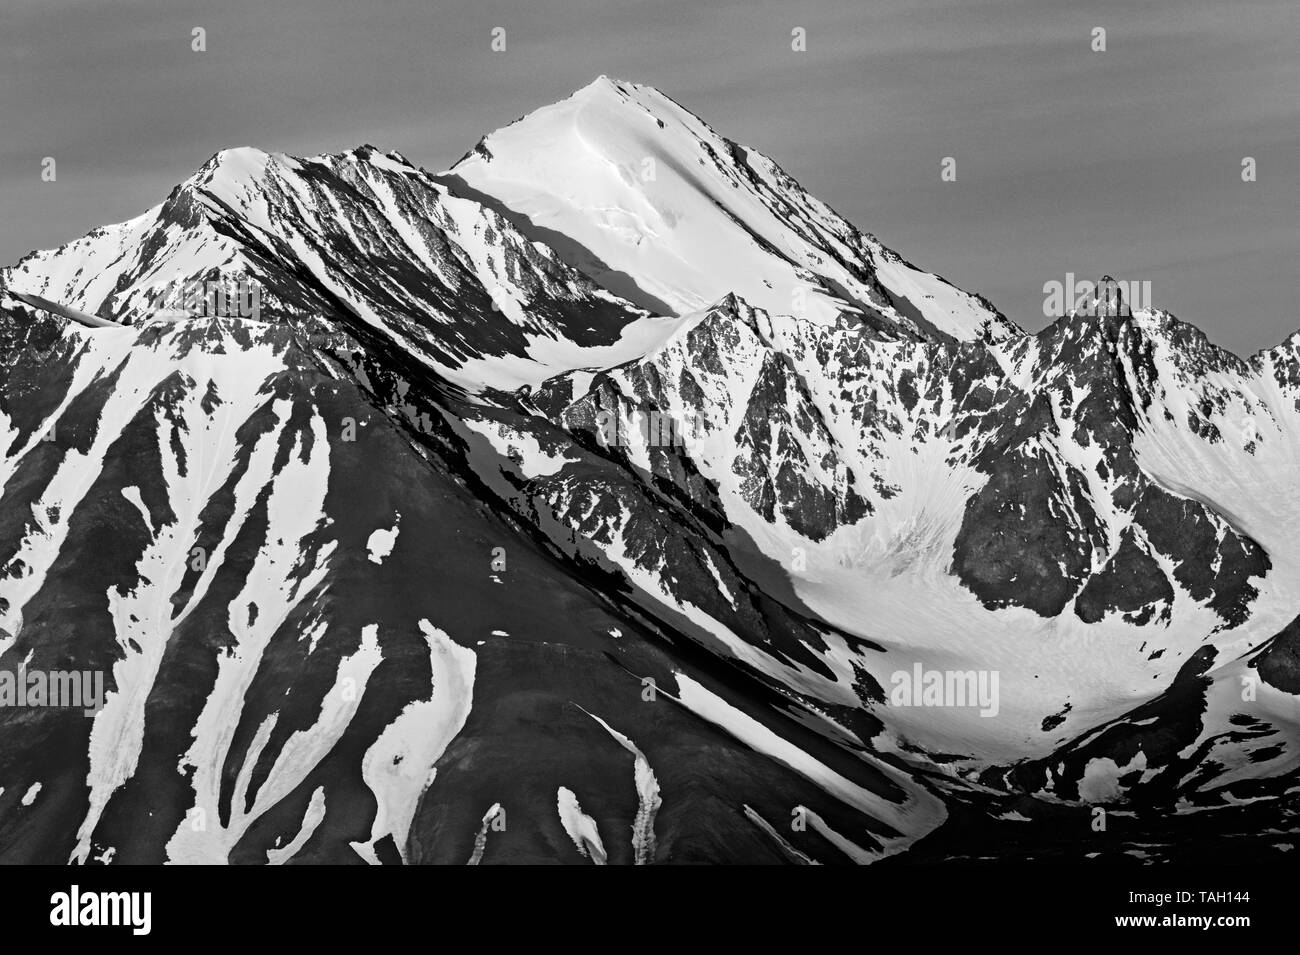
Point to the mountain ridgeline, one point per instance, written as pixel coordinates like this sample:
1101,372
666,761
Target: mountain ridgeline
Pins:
608,499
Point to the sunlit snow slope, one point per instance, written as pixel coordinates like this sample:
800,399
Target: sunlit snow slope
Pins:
650,201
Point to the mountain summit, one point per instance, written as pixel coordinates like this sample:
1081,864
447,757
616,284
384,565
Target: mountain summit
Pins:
658,204
637,193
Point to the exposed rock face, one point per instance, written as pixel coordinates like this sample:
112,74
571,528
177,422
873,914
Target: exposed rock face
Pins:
496,504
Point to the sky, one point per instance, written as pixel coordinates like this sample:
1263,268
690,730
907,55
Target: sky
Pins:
1125,161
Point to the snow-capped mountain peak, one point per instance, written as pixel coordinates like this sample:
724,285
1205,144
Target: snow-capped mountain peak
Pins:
657,205
615,406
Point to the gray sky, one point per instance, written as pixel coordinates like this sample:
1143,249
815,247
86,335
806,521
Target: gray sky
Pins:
1126,161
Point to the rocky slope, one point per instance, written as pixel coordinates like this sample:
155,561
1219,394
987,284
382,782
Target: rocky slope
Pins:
592,501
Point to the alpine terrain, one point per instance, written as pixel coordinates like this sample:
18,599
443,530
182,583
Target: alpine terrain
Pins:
608,499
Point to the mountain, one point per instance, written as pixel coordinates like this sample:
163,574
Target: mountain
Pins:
649,200
607,498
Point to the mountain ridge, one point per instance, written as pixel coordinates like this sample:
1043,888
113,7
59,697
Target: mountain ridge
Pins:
456,533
